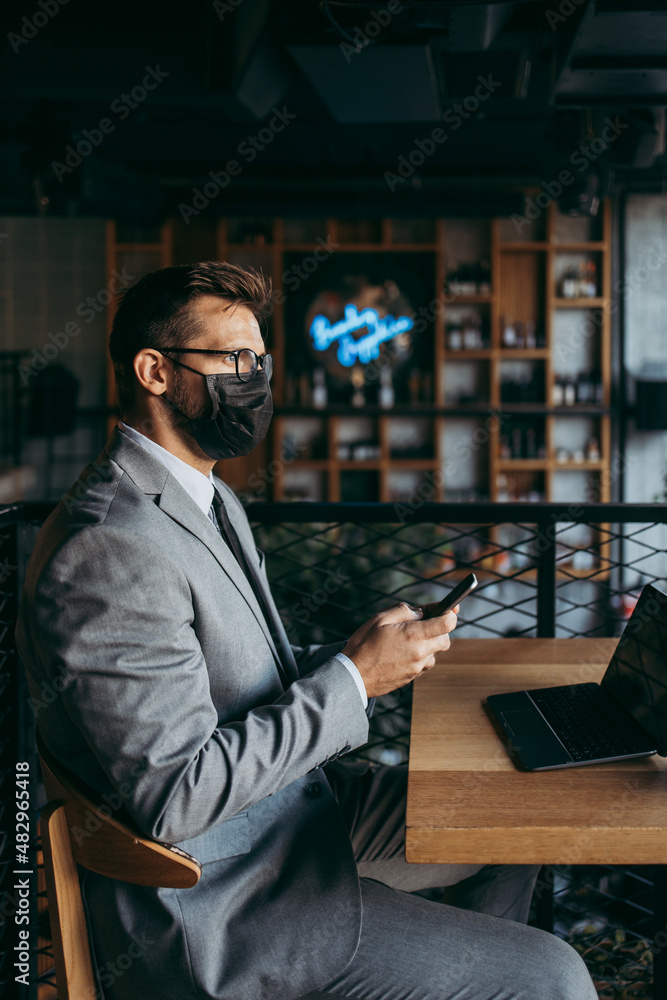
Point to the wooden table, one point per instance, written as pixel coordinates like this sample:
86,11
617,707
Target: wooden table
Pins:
468,803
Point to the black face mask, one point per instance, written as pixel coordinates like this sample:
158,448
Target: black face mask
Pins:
241,415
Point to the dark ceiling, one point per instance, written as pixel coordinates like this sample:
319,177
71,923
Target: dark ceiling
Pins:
186,87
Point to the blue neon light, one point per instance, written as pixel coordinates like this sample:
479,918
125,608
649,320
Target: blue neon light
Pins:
380,329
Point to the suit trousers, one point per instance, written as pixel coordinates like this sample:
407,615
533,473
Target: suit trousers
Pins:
472,946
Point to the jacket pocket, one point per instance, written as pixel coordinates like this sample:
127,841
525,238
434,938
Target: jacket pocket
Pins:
225,840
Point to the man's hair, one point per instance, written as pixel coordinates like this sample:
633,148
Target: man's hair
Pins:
156,312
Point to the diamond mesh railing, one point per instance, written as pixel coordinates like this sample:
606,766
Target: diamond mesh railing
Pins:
544,570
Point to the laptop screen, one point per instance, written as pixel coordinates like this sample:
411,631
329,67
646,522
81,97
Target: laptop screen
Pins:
637,674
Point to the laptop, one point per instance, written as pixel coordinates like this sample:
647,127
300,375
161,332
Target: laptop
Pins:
623,717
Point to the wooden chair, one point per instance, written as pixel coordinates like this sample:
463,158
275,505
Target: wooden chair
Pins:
78,828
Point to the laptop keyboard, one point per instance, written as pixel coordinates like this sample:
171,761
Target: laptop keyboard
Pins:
576,715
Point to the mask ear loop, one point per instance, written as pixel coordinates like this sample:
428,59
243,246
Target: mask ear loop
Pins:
210,385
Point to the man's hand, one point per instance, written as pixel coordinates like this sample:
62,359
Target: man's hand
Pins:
395,646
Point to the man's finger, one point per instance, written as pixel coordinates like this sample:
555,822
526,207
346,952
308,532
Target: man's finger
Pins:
436,626
401,613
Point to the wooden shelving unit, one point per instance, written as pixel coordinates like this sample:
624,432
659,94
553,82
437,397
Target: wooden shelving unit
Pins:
457,434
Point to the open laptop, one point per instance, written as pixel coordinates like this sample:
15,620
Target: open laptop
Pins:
624,716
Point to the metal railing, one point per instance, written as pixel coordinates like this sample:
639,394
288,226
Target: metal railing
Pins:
544,570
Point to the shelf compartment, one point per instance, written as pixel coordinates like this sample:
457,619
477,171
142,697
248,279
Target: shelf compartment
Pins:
528,231
522,294
467,252
576,485
465,448
403,484
303,438
577,436
409,439
356,440
573,229
565,262
467,327
522,443
522,380
467,380
304,483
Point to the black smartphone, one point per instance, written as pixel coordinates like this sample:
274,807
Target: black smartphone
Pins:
465,587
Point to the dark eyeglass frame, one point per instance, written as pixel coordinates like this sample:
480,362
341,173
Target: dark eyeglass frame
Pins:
263,361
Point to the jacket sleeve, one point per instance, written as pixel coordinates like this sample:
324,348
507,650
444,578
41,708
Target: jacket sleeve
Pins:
113,620
309,658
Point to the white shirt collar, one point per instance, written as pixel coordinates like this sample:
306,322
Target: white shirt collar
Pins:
195,483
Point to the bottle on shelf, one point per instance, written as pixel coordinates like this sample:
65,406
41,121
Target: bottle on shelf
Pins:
530,336
589,282
569,286
593,450
558,392
454,337
585,391
569,391
472,334
509,334
386,394
358,380
320,395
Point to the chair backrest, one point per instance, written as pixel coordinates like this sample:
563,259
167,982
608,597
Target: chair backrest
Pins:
78,828
106,841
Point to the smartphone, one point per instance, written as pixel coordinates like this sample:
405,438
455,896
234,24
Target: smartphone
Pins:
465,587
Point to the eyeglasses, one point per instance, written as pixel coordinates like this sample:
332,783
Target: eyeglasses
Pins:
246,362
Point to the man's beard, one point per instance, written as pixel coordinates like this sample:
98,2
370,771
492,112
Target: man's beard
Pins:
182,409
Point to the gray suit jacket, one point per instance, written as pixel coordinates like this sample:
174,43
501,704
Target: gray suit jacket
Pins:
156,678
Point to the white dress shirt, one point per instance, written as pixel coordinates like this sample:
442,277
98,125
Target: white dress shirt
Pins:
201,489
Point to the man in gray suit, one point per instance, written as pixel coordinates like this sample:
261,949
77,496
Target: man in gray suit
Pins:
147,609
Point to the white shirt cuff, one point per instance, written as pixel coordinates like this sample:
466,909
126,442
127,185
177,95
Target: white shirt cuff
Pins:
356,676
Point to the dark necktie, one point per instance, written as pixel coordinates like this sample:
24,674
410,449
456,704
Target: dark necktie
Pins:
228,533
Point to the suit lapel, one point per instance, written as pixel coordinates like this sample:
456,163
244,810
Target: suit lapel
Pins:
155,479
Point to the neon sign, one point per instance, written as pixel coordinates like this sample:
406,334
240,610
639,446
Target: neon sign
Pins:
365,349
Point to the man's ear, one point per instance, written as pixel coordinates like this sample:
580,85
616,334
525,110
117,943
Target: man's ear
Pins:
150,370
